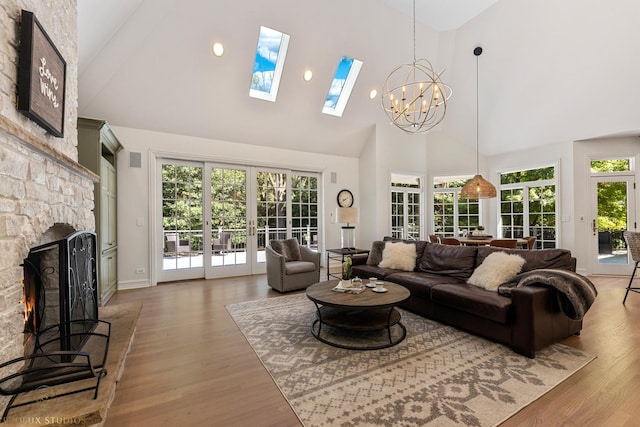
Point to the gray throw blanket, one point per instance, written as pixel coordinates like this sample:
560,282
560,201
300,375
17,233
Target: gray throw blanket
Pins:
575,293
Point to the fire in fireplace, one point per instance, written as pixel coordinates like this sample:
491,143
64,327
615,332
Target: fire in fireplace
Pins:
60,287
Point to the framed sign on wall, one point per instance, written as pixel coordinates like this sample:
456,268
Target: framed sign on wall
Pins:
41,77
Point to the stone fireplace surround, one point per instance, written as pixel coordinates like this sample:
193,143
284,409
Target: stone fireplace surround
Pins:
44,191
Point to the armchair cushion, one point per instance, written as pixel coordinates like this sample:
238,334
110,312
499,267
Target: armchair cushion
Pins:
297,267
289,249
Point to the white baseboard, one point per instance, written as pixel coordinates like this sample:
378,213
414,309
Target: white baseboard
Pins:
133,284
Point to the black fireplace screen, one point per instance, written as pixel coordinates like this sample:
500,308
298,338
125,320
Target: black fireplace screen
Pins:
60,285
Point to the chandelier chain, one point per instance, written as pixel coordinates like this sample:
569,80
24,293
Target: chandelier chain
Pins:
414,31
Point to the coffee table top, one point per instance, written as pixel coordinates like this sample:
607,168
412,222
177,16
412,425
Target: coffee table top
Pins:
321,293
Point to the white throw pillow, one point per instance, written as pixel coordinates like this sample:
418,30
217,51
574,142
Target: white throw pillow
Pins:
399,256
496,269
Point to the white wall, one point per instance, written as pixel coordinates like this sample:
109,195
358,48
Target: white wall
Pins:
391,151
552,71
134,187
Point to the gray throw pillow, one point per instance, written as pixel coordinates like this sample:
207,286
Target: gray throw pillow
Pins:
375,255
289,249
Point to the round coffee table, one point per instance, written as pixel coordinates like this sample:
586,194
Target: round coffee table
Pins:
366,311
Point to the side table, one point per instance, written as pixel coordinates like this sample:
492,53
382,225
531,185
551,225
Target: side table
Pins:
341,255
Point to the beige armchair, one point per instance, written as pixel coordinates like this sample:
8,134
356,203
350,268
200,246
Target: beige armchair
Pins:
291,266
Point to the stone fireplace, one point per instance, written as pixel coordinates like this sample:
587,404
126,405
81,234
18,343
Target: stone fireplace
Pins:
43,189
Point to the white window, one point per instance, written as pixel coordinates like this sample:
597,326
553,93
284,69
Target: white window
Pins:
528,205
406,207
452,215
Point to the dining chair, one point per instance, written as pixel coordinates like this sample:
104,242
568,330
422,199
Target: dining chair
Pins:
633,245
531,242
450,241
504,243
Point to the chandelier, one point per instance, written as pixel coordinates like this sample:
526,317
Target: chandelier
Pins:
414,97
477,187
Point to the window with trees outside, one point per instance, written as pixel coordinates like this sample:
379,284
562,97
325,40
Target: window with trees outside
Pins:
182,216
274,191
528,205
304,209
452,215
406,206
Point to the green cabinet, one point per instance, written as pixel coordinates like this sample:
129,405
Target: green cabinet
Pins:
97,150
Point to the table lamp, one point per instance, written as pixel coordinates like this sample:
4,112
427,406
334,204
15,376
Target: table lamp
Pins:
348,233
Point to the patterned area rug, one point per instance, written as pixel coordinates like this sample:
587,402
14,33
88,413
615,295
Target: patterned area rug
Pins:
437,376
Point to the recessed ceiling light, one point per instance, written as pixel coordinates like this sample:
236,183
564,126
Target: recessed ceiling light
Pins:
308,75
218,49
373,94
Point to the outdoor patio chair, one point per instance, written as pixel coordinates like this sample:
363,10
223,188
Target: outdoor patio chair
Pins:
177,245
223,243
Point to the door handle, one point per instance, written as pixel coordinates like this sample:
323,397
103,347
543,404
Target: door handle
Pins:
594,227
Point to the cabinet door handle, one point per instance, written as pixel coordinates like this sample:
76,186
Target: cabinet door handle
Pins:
594,227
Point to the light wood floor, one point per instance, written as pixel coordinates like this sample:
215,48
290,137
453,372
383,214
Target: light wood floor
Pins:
191,366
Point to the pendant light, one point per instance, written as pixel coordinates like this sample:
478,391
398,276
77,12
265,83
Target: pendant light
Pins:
477,187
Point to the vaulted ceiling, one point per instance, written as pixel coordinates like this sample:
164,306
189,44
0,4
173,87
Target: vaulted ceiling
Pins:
148,64
552,72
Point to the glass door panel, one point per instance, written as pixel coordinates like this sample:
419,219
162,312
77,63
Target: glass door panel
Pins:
229,222
304,209
613,213
182,221
271,210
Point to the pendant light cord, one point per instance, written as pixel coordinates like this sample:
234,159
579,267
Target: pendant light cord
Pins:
477,118
477,52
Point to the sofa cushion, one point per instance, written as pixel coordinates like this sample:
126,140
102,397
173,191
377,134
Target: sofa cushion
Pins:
399,255
534,259
473,300
375,254
420,284
448,260
496,269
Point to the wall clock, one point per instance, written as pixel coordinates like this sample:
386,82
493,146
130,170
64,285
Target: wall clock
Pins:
345,198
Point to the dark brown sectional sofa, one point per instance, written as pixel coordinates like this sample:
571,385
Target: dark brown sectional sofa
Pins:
527,320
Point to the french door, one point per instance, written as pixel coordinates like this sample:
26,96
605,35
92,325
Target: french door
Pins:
612,212
216,219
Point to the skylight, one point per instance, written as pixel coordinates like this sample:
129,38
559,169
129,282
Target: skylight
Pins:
267,69
341,86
